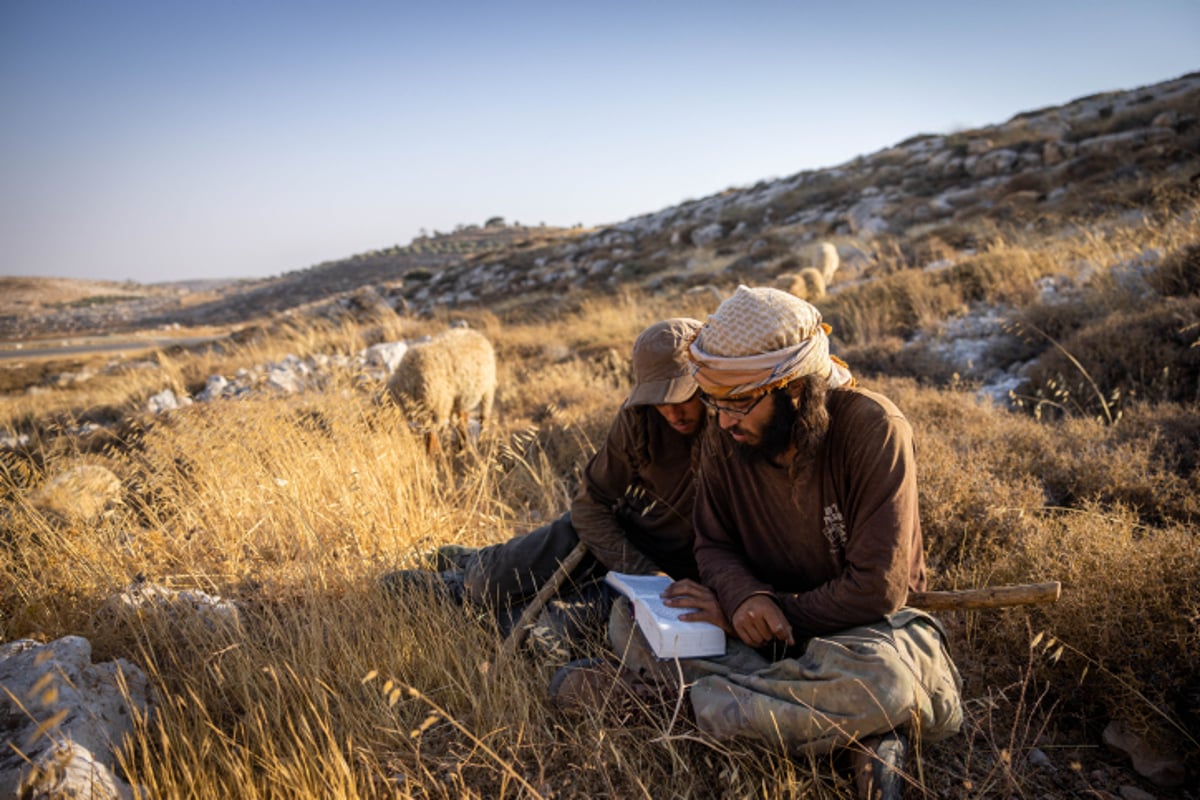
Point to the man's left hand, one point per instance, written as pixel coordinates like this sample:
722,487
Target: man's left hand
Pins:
759,620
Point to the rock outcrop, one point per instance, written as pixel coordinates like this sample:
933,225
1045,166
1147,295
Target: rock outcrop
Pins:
62,716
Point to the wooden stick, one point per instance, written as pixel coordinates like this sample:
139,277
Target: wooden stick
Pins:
548,590
991,597
957,600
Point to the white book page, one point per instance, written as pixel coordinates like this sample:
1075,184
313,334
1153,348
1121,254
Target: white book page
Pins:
639,585
658,608
667,635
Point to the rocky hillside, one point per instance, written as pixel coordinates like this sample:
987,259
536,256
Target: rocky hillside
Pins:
923,200
1041,169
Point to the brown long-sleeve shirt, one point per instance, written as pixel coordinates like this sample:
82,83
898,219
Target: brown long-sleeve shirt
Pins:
837,547
639,519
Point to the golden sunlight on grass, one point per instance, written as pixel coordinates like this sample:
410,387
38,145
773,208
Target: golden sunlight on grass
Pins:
326,687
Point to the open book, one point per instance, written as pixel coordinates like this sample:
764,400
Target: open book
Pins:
669,636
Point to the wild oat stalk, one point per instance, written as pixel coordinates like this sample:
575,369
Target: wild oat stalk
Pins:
1087,376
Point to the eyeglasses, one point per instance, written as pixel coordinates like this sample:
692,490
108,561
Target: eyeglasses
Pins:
739,409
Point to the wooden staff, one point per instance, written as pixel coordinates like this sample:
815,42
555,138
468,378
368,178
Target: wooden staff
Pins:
1026,594
956,600
548,590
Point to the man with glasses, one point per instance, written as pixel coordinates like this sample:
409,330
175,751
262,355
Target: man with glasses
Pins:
808,541
734,409
633,509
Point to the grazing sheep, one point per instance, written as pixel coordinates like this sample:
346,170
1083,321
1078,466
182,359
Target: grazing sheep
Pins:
713,292
445,378
807,284
827,262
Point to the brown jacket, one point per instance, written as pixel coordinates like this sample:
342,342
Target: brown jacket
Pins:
633,518
837,547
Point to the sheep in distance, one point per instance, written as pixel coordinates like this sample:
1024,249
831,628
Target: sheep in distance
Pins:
442,380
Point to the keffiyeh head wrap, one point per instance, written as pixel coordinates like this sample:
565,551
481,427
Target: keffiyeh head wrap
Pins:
762,339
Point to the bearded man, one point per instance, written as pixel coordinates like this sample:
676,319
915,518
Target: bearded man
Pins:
808,540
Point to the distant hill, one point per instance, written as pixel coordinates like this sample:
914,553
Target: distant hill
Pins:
925,198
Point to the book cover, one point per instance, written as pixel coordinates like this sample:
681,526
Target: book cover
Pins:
668,636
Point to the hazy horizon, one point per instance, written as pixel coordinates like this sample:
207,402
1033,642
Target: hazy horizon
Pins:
164,142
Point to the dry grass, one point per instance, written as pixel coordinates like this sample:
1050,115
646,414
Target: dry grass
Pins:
1101,508
295,506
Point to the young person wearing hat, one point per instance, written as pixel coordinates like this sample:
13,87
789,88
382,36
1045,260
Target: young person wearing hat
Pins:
633,508
808,540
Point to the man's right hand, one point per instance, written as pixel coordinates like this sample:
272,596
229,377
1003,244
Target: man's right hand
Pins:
759,619
688,593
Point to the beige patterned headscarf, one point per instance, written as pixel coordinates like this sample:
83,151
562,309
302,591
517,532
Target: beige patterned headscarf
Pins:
761,339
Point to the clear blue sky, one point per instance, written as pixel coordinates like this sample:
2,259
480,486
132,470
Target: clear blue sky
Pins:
166,140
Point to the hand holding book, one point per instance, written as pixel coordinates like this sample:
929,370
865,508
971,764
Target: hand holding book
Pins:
662,619
688,593
756,622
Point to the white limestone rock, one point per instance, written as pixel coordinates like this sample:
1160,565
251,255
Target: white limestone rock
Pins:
94,705
386,355
178,605
166,401
707,234
214,388
1161,768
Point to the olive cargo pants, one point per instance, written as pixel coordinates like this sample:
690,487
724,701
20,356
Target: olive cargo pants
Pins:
845,686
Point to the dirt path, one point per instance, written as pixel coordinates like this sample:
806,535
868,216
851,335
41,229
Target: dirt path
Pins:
91,345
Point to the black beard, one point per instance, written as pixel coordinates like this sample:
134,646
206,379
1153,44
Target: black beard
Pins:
777,435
